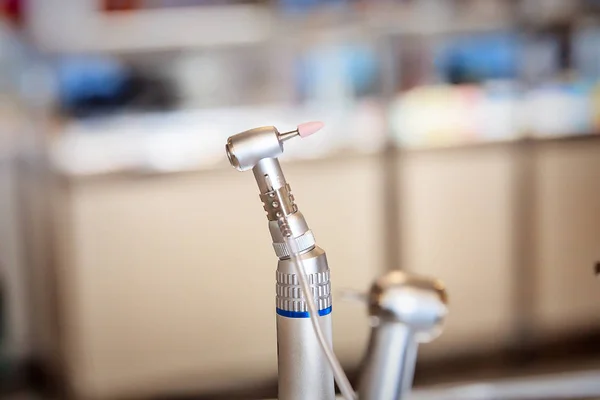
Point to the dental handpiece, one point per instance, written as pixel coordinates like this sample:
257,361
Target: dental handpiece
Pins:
304,373
405,310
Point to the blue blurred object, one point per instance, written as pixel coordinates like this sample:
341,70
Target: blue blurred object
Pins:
92,86
304,6
84,78
477,58
356,65
587,53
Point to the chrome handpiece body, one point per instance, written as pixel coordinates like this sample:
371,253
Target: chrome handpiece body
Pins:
304,373
405,310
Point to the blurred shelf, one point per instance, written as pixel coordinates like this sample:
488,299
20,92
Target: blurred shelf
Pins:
481,145
79,28
146,170
184,141
592,136
143,147
394,21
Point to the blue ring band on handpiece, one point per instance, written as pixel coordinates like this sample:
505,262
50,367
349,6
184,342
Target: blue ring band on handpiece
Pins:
301,314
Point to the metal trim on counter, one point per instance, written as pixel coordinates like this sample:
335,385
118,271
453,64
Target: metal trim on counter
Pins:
487,144
556,386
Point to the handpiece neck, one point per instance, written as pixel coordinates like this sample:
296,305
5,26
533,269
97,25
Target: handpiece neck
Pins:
268,175
278,203
388,368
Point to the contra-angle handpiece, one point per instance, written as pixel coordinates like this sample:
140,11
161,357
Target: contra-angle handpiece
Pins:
306,361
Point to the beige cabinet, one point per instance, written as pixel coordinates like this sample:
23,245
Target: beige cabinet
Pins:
167,282
456,225
568,237
16,341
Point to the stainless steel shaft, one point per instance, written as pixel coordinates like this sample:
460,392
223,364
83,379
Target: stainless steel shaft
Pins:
389,369
406,310
304,373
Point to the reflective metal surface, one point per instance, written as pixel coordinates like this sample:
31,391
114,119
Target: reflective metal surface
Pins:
405,311
304,373
303,369
246,149
581,385
576,385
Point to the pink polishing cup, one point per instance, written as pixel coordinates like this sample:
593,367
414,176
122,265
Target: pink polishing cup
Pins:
308,128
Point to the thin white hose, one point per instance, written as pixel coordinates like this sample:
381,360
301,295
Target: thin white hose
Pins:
338,372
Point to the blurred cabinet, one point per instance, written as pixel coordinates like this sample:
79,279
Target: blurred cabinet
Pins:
568,237
456,225
15,342
167,282
341,201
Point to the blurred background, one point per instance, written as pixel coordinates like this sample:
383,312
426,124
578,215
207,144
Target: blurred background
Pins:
461,141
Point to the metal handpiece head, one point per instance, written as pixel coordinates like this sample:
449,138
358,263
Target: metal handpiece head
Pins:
247,148
405,310
417,302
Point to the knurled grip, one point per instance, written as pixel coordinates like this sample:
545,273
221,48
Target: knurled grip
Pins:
289,291
304,242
